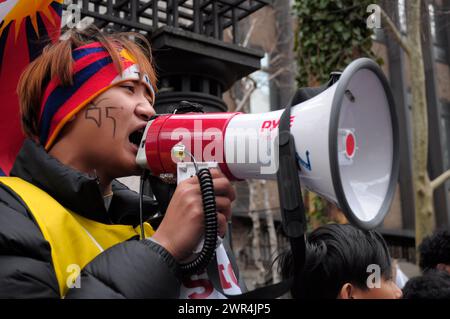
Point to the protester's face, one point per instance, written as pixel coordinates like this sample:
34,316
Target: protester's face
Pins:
104,127
386,290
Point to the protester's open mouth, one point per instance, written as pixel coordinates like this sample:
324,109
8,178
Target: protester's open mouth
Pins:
136,137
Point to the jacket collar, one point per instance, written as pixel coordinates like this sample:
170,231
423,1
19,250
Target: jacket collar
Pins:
76,190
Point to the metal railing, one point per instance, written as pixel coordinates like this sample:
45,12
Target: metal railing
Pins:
207,17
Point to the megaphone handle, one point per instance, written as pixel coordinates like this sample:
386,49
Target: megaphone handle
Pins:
291,201
210,239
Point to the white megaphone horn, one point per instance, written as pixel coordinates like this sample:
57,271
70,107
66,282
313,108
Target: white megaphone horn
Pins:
346,142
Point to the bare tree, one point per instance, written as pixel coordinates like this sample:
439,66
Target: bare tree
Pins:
259,201
273,241
254,199
423,186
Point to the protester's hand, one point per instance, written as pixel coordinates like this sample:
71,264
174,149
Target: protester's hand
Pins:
183,225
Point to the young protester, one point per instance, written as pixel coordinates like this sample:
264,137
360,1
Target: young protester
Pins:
344,262
84,103
435,252
434,284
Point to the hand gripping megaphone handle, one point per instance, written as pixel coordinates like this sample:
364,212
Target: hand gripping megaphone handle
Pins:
206,254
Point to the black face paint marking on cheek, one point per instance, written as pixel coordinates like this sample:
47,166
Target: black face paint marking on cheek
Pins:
97,118
111,117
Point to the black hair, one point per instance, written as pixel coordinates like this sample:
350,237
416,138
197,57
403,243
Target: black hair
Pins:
338,254
434,250
433,284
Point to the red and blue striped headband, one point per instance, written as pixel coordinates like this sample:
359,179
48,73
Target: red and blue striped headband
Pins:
93,73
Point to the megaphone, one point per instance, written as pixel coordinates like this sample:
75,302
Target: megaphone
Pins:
346,143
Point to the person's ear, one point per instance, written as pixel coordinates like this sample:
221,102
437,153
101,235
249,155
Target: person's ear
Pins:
346,292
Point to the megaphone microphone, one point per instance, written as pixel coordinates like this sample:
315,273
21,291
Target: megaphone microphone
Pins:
346,143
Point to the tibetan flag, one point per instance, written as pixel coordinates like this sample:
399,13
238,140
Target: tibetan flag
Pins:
26,26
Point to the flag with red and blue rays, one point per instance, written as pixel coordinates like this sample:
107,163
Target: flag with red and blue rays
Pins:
26,26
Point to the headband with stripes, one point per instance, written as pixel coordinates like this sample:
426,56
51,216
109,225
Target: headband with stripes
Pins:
93,73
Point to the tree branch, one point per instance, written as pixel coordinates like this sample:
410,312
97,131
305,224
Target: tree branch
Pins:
397,35
249,33
440,180
277,58
277,73
248,94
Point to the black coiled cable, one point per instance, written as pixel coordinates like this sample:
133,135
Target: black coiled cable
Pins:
211,226
210,237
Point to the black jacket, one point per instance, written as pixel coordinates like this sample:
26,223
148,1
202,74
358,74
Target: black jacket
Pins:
132,269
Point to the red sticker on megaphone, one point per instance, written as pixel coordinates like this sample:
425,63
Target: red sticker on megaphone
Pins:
350,145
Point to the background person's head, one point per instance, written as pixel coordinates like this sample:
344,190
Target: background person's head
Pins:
337,261
434,284
435,252
85,98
